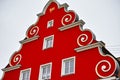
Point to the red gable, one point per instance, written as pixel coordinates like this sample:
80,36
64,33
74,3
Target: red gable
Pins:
69,40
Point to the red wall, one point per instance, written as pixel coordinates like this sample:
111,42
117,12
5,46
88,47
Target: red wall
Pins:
65,42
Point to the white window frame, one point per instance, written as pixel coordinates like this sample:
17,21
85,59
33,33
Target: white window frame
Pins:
21,73
63,66
45,42
41,70
50,23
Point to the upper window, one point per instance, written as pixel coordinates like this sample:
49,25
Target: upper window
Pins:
45,71
50,23
68,66
48,42
25,74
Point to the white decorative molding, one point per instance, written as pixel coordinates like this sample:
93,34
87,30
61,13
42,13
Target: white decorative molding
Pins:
90,46
15,60
65,5
66,18
11,68
29,39
104,66
109,78
65,27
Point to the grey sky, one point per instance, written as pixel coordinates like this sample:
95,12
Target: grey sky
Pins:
101,16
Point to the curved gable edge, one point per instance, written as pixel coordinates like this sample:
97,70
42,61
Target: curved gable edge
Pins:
65,6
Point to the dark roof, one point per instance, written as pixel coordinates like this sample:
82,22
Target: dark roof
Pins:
107,52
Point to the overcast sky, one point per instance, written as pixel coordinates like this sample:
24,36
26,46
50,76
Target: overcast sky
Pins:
101,16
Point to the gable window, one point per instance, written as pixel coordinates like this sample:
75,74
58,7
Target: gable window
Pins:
48,42
45,71
68,66
50,23
25,74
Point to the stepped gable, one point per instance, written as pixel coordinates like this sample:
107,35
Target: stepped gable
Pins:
69,39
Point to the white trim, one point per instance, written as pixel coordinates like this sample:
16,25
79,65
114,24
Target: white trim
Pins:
16,59
72,25
11,68
44,42
110,66
65,5
62,67
109,78
29,39
90,46
20,77
66,19
40,70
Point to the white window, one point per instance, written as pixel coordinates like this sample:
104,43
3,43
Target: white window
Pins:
50,23
45,71
68,66
25,74
48,42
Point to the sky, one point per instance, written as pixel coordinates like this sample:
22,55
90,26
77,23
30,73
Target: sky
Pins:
102,17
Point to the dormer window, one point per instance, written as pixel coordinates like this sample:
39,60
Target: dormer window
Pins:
48,42
50,23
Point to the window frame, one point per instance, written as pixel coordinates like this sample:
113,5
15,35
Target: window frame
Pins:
41,71
50,23
63,66
45,42
21,73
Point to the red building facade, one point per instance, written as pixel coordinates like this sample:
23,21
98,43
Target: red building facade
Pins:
57,47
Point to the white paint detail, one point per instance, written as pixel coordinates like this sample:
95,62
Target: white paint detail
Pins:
66,18
34,31
16,59
90,46
11,68
103,68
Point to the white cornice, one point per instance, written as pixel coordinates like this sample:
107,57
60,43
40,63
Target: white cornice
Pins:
29,39
65,27
109,78
11,68
90,46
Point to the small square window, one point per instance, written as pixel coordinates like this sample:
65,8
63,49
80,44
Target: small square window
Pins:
68,66
45,71
48,42
25,74
50,23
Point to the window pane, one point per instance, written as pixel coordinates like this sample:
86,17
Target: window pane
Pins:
71,66
26,75
49,43
46,71
66,67
50,23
